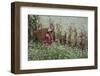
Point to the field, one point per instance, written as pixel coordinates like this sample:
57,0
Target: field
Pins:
57,37
56,51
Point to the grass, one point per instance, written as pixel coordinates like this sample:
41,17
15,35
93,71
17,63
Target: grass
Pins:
36,51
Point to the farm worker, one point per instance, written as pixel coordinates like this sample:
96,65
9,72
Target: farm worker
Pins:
51,31
47,39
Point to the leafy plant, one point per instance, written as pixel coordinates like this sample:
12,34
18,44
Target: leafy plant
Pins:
55,51
33,21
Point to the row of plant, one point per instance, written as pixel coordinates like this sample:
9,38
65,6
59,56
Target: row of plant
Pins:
55,51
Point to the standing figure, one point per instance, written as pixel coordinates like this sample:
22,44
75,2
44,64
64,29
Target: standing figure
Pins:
69,36
81,41
74,38
49,36
47,39
51,31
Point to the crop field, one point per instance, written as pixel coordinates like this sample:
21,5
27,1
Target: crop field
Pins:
55,51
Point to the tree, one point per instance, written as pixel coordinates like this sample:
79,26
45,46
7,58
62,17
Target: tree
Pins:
33,21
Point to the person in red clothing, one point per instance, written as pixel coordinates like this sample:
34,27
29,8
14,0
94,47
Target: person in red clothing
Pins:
47,39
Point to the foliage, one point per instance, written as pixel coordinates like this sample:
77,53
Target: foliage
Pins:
38,52
33,20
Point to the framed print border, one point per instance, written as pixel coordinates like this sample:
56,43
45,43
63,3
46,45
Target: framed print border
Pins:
15,36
